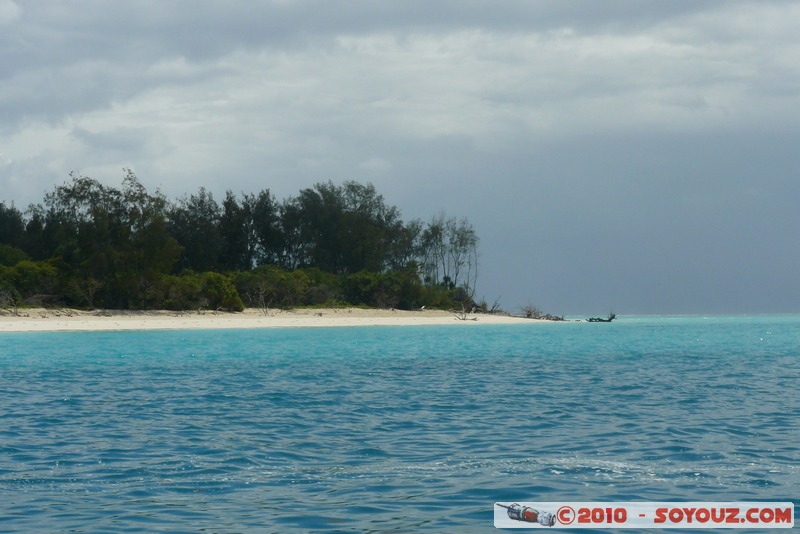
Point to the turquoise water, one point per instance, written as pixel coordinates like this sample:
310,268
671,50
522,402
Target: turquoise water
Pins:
400,429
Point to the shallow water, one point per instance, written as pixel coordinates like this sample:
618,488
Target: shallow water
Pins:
380,429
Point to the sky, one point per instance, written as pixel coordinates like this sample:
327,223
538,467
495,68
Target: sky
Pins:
630,156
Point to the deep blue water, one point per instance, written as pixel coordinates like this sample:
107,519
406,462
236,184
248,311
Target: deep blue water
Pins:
391,429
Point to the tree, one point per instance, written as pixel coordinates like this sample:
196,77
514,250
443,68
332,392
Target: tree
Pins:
86,223
12,234
39,239
107,241
268,242
448,253
403,246
11,255
219,293
321,219
433,251
341,230
150,251
250,232
195,223
34,278
295,251
371,227
462,254
236,230
12,225
93,244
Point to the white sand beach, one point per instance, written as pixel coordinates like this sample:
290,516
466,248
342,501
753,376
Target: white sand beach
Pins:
63,320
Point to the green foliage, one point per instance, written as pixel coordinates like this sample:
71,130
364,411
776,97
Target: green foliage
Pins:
324,288
109,245
247,285
395,289
90,245
9,297
438,297
341,229
266,241
360,287
11,255
12,225
449,253
194,291
269,286
220,293
27,279
34,278
195,223
410,289
235,225
272,287
175,292
7,276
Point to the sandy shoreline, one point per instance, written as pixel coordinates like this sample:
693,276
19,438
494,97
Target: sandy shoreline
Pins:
63,320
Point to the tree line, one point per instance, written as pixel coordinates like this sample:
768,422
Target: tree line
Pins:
91,245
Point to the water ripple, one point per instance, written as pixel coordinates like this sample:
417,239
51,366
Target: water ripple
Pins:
379,430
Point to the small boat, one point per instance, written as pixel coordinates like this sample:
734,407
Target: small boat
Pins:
611,317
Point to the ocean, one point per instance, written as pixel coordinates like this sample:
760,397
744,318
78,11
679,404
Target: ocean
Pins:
391,429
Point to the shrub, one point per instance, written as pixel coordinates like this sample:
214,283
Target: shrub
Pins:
34,278
267,286
191,290
220,293
323,288
10,255
395,289
178,292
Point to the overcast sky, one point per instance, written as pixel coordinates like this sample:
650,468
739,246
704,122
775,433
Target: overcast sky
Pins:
627,155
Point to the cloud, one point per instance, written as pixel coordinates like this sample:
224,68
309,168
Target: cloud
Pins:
529,114
322,81
431,62
375,165
9,12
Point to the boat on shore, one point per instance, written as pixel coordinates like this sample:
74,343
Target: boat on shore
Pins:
611,317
